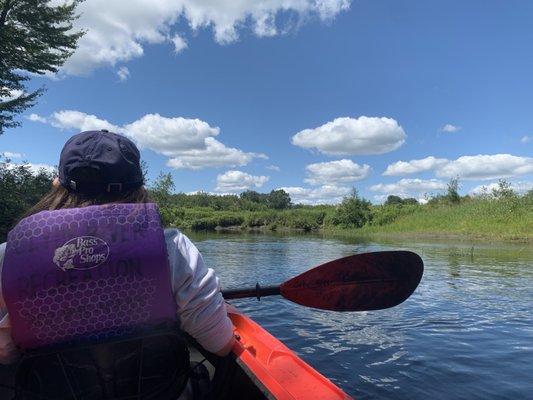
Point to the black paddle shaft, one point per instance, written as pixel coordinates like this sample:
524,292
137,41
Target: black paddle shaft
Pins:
257,292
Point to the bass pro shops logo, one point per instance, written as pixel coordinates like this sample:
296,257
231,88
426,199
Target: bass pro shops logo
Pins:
83,252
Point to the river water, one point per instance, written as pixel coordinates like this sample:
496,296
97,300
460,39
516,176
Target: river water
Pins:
466,332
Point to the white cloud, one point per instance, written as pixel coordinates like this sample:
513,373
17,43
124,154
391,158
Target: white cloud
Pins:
526,139
36,118
179,43
238,181
344,136
170,136
123,73
486,167
336,172
71,119
35,168
273,168
11,94
119,33
450,128
11,155
410,187
189,143
519,187
327,194
414,166
215,154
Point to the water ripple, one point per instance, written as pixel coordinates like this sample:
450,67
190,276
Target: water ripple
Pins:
466,332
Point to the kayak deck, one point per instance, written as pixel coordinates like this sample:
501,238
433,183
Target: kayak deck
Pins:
275,369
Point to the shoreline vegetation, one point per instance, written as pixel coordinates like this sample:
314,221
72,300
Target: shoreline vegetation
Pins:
497,215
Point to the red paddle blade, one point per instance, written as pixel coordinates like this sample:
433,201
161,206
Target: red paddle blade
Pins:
362,282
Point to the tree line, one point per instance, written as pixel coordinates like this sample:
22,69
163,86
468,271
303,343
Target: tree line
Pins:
21,187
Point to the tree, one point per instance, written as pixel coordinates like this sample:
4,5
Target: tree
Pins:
21,189
393,200
36,37
503,190
453,191
279,199
162,189
254,197
353,212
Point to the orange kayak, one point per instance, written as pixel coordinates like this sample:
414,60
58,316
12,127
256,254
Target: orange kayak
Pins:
263,367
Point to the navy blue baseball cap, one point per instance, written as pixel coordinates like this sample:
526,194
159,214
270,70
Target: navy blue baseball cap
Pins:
96,162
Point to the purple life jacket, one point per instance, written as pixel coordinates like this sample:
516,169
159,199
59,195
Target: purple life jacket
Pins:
86,274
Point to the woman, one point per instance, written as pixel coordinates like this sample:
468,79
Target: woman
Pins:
100,168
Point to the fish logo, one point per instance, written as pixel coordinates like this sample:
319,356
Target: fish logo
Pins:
83,252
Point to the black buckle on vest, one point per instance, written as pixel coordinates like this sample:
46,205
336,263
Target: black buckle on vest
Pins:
111,186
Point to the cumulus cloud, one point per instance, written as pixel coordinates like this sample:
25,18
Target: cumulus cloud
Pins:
486,167
71,119
120,33
336,172
11,155
189,143
215,154
353,136
123,73
238,181
179,43
36,118
400,168
449,128
327,194
526,139
10,94
410,187
520,187
170,136
35,168
273,168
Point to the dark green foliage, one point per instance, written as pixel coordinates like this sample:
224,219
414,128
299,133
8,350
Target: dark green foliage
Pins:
254,197
35,37
397,200
353,212
162,188
276,199
392,199
279,199
19,190
453,191
503,191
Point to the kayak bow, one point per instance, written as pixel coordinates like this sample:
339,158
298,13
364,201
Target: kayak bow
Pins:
275,370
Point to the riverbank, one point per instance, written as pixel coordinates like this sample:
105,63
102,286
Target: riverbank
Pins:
474,219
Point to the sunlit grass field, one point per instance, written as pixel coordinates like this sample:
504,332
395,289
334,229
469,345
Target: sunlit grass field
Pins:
482,218
506,219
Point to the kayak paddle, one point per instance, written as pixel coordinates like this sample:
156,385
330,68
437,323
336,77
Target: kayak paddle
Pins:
362,282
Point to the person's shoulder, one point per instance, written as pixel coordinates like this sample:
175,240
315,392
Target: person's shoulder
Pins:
171,233
175,238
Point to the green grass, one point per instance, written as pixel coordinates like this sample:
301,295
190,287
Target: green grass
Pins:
506,219
483,218
306,219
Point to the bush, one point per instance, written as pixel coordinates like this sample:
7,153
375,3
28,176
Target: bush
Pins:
353,212
20,189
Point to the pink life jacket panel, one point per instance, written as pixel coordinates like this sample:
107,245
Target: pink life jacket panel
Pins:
86,274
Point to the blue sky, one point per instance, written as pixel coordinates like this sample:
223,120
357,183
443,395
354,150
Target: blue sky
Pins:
313,96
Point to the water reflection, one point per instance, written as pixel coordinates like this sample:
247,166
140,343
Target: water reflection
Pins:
465,333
